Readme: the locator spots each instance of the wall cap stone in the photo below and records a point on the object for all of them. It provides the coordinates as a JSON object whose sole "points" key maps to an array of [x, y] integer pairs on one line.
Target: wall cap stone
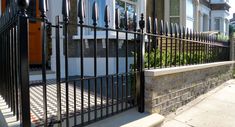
{"points": [[172, 70]]}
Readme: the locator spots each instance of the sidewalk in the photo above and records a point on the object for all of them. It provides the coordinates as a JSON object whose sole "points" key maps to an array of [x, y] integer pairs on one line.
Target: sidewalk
{"points": [[214, 109]]}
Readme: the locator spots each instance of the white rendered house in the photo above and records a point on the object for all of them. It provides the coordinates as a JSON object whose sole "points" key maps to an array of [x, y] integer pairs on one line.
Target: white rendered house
{"points": [[199, 15], [132, 6]]}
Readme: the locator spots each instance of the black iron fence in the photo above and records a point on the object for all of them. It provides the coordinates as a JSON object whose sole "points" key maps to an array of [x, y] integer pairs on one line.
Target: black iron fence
{"points": [[77, 100]]}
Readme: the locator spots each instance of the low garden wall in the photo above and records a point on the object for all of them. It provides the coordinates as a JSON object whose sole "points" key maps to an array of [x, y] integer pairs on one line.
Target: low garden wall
{"points": [[170, 88]]}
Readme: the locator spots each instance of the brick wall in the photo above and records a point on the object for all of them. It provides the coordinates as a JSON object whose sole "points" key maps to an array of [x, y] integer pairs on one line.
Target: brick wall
{"points": [[166, 93]]}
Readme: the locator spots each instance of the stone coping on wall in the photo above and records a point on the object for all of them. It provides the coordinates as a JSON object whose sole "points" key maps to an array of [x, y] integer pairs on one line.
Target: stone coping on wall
{"points": [[172, 70]]}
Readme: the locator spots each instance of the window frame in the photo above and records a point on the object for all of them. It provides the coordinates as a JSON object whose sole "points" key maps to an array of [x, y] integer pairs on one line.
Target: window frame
{"points": [[131, 3], [174, 16], [219, 19]]}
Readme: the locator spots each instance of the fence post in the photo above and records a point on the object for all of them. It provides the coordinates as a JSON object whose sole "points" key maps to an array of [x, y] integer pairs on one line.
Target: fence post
{"points": [[142, 78], [24, 71]]}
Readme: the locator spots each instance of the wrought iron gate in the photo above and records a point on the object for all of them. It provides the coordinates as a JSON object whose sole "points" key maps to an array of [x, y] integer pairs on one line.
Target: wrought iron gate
{"points": [[77, 100]]}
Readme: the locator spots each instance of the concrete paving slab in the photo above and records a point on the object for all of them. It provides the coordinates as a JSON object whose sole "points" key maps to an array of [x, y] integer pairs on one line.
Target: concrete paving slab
{"points": [[120, 119], [215, 110], [175, 123]]}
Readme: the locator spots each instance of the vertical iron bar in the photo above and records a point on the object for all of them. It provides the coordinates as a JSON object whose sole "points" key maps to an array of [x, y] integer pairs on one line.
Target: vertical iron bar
{"points": [[183, 38], [81, 15], [166, 33], [107, 20], [142, 80], [65, 12], [155, 41], [101, 97], [44, 53], [24, 72], [180, 45], [171, 49], [176, 36], [112, 93], [161, 35], [117, 23], [58, 71], [127, 47], [190, 47], [148, 31], [89, 100]]}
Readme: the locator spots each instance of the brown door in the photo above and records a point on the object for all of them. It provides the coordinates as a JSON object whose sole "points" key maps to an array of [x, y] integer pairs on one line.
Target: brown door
{"points": [[35, 44], [35, 41], [3, 7]]}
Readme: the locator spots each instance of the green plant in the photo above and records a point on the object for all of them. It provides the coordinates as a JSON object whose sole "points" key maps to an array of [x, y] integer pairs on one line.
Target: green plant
{"points": [[222, 37], [156, 58], [176, 58]]}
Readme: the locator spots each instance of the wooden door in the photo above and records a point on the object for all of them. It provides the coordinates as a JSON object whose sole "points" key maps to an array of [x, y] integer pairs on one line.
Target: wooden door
{"points": [[35, 40], [3, 6]]}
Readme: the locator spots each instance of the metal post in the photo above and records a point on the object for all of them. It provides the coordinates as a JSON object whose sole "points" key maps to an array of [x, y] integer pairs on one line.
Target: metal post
{"points": [[142, 81], [24, 72]]}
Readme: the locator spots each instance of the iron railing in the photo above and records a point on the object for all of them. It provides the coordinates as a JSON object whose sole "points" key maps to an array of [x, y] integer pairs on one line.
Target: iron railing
{"points": [[82, 99], [14, 78]]}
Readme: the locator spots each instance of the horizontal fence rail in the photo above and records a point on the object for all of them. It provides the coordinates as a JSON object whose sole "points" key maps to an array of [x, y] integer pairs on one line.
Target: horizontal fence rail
{"points": [[81, 99], [179, 46]]}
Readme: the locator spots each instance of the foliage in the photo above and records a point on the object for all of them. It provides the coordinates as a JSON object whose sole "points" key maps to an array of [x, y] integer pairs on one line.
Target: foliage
{"points": [[222, 37], [176, 58]]}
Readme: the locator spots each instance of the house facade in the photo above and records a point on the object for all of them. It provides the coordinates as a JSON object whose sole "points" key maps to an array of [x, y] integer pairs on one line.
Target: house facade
{"points": [[55, 9], [132, 6], [199, 15]]}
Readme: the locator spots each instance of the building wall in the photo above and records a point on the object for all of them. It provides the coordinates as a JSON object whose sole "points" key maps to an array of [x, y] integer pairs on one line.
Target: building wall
{"points": [[223, 16]]}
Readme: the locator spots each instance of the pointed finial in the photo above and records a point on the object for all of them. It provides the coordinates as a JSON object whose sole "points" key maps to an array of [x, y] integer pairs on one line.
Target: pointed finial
{"points": [[66, 9], [149, 25], [106, 16], [117, 18], [155, 26], [81, 10], [95, 13]]}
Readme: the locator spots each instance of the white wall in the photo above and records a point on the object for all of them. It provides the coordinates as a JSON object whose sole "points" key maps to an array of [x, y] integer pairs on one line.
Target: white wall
{"points": [[75, 68], [55, 7]]}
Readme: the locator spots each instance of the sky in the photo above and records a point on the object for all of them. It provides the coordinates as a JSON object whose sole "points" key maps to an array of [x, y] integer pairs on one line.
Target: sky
{"points": [[232, 9]]}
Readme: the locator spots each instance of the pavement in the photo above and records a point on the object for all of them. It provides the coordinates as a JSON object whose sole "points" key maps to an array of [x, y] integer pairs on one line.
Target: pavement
{"points": [[214, 109]]}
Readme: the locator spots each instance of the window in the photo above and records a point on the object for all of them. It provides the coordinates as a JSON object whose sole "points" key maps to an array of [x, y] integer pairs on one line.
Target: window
{"points": [[126, 5], [175, 11], [217, 24]]}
